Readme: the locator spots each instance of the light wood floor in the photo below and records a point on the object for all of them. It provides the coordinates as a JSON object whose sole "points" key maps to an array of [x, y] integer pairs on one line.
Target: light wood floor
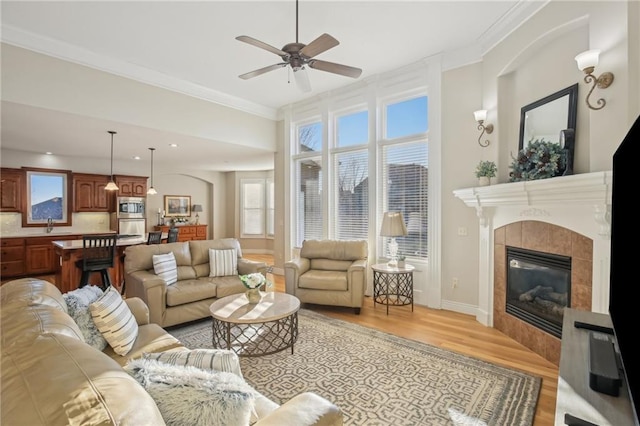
{"points": [[453, 331], [448, 330]]}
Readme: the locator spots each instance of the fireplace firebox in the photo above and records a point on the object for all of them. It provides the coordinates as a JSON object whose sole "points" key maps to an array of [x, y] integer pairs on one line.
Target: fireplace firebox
{"points": [[538, 288]]}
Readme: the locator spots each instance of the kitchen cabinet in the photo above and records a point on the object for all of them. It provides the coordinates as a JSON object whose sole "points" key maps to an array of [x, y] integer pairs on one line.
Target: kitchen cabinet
{"points": [[29, 256], [39, 255], [187, 232], [11, 189], [131, 186], [89, 193], [12, 257]]}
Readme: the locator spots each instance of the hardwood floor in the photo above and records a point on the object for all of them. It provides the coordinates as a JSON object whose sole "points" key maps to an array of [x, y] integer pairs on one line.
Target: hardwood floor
{"points": [[453, 331], [449, 330]]}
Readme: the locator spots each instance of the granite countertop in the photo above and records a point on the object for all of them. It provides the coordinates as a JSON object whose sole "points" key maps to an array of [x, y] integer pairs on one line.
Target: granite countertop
{"points": [[53, 234], [120, 242]]}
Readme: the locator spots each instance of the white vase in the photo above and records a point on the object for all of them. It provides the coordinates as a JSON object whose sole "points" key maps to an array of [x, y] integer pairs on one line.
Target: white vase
{"points": [[484, 181]]}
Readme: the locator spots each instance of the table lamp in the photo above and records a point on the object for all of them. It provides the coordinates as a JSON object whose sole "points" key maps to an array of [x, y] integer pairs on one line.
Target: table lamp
{"points": [[393, 226], [197, 208]]}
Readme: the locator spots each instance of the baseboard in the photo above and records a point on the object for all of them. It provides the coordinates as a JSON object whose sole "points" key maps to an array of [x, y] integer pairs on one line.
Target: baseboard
{"points": [[462, 308]]}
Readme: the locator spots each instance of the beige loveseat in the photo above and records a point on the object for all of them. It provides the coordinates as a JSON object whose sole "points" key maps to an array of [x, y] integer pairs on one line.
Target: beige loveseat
{"points": [[50, 376], [190, 298], [329, 272]]}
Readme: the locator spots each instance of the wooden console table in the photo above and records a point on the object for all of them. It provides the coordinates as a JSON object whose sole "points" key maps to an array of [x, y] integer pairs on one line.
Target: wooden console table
{"points": [[187, 232], [574, 396]]}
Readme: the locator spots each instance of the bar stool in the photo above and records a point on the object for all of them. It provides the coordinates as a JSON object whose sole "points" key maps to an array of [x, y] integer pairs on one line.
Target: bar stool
{"points": [[98, 253], [154, 237], [172, 236]]}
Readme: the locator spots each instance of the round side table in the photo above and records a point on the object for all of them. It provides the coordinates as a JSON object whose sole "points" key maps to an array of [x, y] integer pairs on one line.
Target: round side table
{"points": [[392, 285]]}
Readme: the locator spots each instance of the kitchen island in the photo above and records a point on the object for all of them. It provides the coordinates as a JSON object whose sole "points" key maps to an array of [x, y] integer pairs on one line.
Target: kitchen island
{"points": [[69, 252]]}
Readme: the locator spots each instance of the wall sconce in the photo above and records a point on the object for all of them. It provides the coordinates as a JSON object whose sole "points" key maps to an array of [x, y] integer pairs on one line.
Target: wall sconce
{"points": [[481, 116], [587, 62]]}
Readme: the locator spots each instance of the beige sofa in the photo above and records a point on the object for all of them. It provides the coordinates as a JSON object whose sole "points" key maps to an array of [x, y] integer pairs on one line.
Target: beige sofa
{"points": [[50, 376], [189, 299], [329, 272]]}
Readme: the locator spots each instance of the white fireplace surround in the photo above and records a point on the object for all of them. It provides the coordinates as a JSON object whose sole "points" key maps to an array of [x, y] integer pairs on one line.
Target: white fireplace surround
{"points": [[579, 202]]}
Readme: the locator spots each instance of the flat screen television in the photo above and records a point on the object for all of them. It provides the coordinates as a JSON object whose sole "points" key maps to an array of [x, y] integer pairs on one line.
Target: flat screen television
{"points": [[625, 273]]}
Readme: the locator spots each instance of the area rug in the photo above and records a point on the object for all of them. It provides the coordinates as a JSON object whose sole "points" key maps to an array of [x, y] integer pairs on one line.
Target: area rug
{"points": [[380, 379]]}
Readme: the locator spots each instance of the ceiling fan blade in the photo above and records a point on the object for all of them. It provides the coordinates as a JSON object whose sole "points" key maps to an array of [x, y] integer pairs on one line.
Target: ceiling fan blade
{"points": [[335, 68], [319, 45], [252, 41], [302, 80], [262, 71]]}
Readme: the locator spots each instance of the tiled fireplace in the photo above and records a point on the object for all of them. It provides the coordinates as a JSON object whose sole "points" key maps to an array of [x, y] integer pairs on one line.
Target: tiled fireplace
{"points": [[566, 216]]}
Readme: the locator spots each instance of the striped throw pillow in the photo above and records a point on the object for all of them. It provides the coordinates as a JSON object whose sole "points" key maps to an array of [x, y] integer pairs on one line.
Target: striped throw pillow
{"points": [[115, 321], [210, 359], [223, 262], [164, 265]]}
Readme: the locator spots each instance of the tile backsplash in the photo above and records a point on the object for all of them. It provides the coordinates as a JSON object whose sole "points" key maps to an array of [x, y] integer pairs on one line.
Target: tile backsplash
{"points": [[11, 225]]}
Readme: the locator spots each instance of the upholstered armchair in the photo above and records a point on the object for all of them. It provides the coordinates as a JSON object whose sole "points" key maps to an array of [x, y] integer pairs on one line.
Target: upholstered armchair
{"points": [[329, 272]]}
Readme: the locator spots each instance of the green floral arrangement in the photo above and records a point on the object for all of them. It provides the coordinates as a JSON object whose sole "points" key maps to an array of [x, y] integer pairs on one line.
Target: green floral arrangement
{"points": [[538, 160], [486, 168]]}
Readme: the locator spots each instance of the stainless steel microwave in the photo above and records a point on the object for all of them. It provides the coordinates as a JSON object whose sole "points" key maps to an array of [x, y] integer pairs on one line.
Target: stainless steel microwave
{"points": [[130, 208]]}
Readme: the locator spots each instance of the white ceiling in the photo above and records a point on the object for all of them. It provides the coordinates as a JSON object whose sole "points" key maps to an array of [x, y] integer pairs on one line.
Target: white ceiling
{"points": [[191, 46]]}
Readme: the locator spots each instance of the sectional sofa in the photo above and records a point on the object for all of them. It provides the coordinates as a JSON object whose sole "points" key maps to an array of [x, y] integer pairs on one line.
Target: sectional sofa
{"points": [[51, 376]]}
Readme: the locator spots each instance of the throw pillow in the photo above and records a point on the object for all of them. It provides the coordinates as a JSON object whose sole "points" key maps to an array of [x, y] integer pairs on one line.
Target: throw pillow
{"points": [[115, 321], [78, 302], [187, 395], [208, 359], [164, 265], [223, 262]]}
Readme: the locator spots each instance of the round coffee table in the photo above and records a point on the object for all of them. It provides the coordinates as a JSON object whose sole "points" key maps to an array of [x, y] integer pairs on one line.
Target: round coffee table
{"points": [[262, 328]]}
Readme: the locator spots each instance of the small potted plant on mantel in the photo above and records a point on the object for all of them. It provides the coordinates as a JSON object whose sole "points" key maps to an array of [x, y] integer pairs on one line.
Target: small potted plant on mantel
{"points": [[485, 171]]}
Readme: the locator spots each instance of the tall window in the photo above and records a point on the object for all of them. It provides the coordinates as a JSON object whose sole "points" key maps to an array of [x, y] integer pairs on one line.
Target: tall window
{"points": [[400, 177], [404, 164], [257, 201], [308, 182], [350, 187], [309, 200]]}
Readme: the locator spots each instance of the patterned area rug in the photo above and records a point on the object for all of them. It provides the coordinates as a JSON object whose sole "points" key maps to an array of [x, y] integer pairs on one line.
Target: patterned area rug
{"points": [[380, 379]]}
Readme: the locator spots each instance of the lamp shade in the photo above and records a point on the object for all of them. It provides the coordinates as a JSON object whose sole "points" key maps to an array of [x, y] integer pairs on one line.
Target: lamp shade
{"points": [[480, 115], [196, 208], [588, 59], [393, 225]]}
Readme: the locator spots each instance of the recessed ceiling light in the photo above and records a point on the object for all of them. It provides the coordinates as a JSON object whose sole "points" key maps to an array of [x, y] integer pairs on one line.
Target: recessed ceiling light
{"points": [[136, 157], [173, 145], [49, 153]]}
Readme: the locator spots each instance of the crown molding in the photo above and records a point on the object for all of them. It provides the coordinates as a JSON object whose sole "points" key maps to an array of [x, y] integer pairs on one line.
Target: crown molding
{"points": [[67, 52]]}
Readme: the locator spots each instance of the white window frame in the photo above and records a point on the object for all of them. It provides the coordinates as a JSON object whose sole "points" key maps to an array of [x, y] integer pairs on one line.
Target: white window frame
{"points": [[267, 208]]}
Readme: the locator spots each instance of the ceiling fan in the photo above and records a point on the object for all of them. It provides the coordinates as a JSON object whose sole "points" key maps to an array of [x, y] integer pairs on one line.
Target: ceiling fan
{"points": [[298, 56]]}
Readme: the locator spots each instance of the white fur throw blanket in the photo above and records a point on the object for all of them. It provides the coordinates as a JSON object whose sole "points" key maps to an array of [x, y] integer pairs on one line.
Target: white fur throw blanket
{"points": [[187, 395]]}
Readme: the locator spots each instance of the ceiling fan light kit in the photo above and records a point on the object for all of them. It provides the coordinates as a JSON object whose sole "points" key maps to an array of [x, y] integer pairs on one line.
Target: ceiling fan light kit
{"points": [[299, 56]]}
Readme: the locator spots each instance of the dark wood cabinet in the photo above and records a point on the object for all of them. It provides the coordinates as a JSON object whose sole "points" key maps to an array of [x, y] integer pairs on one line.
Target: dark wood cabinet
{"points": [[11, 190], [12, 257], [131, 186], [187, 232], [39, 255], [89, 194]]}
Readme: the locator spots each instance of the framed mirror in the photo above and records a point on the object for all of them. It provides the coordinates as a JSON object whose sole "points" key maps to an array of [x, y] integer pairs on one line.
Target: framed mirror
{"points": [[545, 118], [47, 197]]}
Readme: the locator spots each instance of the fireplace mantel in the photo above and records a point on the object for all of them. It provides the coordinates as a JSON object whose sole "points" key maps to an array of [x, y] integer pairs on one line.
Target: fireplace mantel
{"points": [[579, 202], [586, 189]]}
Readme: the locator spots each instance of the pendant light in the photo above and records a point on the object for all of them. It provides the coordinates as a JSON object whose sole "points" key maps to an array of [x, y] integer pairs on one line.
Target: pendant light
{"points": [[152, 190], [111, 186]]}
